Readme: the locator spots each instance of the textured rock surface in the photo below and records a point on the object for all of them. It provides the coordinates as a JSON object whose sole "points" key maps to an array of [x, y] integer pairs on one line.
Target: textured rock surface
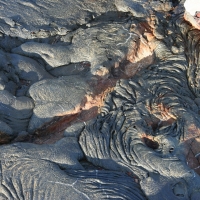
{"points": [[46, 18], [6, 133], [42, 174], [104, 45], [15, 111], [122, 76], [56, 97]]}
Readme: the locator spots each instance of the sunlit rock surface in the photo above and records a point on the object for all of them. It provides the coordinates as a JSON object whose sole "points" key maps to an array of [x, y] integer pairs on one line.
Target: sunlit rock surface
{"points": [[192, 8], [100, 99]]}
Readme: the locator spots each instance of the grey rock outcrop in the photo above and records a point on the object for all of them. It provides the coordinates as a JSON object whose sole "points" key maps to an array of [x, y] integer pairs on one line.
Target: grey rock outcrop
{"points": [[145, 124], [56, 97], [103, 45], [27, 68], [15, 111], [124, 74], [42, 175], [95, 51], [43, 19]]}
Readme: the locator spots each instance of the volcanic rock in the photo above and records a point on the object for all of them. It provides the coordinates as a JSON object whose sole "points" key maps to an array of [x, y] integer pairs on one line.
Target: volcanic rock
{"points": [[6, 133], [56, 97], [15, 111], [105, 97]]}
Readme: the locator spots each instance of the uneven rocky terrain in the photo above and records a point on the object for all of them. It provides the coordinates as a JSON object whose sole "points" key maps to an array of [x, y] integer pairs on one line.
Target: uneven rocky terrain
{"points": [[99, 99]]}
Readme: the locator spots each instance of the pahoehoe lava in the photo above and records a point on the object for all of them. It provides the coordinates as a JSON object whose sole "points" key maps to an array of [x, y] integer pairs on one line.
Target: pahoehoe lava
{"points": [[99, 100]]}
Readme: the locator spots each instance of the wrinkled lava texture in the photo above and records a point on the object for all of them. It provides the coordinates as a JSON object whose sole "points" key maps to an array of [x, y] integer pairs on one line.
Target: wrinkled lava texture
{"points": [[99, 100]]}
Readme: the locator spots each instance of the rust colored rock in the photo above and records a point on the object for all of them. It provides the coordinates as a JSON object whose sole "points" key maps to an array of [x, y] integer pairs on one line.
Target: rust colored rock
{"points": [[139, 57], [197, 14], [194, 22]]}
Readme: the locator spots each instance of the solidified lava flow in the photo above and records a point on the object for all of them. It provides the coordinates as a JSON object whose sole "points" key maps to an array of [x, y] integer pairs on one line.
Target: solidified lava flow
{"points": [[100, 99]]}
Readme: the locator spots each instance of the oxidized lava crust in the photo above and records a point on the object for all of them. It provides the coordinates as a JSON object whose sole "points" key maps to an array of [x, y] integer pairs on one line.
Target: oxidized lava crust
{"points": [[99, 100]]}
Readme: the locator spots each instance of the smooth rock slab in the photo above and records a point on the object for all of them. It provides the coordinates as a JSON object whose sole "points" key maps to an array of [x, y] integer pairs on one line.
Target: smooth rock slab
{"points": [[56, 97], [15, 111], [71, 69], [28, 69], [22, 71]]}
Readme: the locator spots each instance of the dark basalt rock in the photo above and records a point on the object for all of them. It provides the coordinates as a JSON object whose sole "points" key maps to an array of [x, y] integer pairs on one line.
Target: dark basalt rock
{"points": [[56, 97], [124, 74], [40, 176], [41, 19], [94, 52], [157, 95], [6, 133], [157, 187], [15, 111], [103, 45]]}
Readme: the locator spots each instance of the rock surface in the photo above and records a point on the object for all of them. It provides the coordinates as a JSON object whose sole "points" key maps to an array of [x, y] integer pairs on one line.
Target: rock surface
{"points": [[109, 91], [56, 97]]}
